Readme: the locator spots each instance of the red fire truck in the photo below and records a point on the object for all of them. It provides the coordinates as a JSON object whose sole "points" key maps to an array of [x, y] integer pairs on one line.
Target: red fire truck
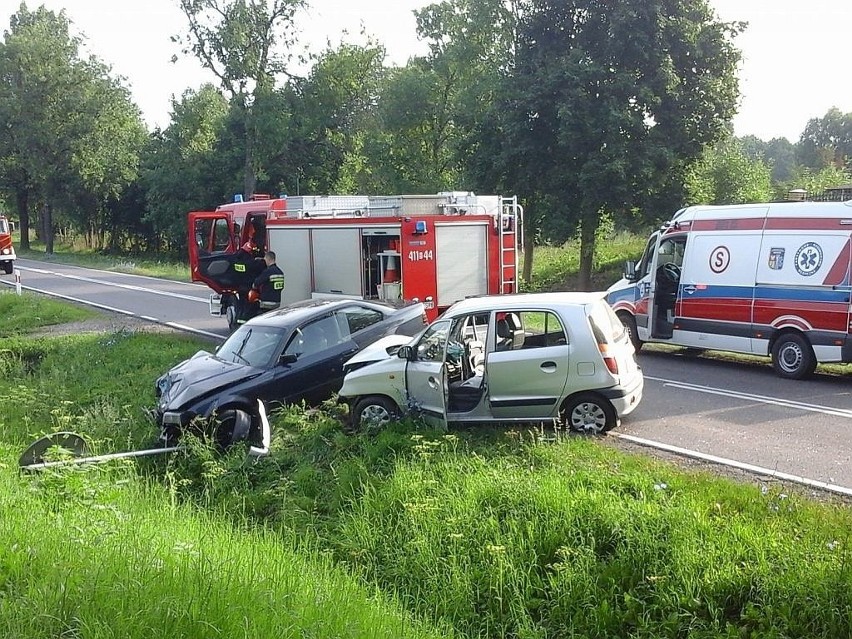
{"points": [[437, 249], [7, 250]]}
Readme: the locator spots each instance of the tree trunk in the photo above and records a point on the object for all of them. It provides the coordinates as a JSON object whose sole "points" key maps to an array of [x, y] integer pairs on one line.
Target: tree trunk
{"points": [[588, 229], [529, 247], [249, 175], [22, 203], [47, 228]]}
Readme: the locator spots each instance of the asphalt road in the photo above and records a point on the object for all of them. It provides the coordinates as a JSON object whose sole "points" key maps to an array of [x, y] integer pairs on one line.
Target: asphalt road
{"points": [[734, 413], [182, 305]]}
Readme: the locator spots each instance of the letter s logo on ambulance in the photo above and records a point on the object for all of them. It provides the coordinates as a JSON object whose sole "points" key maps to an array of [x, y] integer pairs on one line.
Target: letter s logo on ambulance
{"points": [[720, 257], [808, 259]]}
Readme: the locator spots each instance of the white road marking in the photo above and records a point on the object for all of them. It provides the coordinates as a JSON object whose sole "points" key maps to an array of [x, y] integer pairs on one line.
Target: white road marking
{"points": [[129, 287], [758, 470], [122, 311], [763, 399]]}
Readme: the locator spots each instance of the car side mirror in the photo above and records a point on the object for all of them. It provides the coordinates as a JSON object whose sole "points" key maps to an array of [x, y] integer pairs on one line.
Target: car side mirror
{"points": [[630, 271], [288, 358], [404, 352]]}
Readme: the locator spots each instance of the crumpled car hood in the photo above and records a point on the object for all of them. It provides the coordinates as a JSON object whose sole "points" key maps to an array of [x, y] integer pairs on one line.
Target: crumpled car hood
{"points": [[198, 376]]}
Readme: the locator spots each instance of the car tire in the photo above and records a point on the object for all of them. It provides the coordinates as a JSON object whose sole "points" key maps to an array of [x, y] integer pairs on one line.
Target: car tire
{"points": [[8, 267], [589, 413], [374, 412], [231, 426], [630, 324], [792, 356]]}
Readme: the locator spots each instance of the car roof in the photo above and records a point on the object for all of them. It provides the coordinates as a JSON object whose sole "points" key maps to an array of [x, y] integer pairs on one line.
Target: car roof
{"points": [[297, 312], [523, 301]]}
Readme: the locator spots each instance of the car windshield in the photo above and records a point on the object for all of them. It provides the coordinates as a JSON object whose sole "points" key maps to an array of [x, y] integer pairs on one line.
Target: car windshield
{"points": [[252, 345], [3, 228]]}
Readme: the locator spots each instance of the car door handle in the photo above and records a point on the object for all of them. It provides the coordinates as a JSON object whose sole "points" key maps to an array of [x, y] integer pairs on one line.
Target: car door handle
{"points": [[548, 367], [689, 288], [433, 383]]}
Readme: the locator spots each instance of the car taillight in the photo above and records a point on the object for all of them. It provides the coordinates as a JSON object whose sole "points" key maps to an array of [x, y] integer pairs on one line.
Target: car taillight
{"points": [[609, 360]]}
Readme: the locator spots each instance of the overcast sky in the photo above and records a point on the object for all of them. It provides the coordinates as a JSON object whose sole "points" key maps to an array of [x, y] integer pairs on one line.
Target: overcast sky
{"points": [[795, 52]]}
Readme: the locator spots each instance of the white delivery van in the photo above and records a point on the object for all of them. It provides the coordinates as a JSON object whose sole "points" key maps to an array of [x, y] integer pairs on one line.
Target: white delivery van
{"points": [[766, 279]]}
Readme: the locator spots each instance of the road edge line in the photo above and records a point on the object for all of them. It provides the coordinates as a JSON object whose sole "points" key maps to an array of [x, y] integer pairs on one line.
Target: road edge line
{"points": [[731, 463]]}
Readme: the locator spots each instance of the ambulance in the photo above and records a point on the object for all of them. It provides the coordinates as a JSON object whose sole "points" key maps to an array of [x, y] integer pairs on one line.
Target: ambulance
{"points": [[764, 279]]}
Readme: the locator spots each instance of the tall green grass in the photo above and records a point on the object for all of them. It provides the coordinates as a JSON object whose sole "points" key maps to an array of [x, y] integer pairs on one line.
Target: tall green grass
{"points": [[555, 268], [480, 532], [27, 312], [96, 384], [118, 560]]}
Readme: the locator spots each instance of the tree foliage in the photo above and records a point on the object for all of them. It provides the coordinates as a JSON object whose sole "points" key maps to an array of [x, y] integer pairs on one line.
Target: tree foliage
{"points": [[180, 171], [725, 174], [608, 103], [72, 136], [246, 44], [827, 141]]}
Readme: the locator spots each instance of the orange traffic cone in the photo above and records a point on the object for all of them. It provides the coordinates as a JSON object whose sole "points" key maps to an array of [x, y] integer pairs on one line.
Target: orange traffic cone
{"points": [[391, 274]]}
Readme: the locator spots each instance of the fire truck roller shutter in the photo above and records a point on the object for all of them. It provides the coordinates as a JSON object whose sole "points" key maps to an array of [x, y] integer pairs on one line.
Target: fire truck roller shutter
{"points": [[293, 255], [461, 251], [337, 261]]}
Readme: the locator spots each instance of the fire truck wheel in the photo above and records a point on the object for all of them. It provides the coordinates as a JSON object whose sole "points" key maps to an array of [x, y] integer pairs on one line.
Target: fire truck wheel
{"points": [[792, 356], [630, 324], [589, 413], [374, 412], [231, 315], [7, 266]]}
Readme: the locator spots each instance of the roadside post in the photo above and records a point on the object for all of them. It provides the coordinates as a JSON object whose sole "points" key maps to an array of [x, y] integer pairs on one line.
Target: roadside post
{"points": [[18, 281]]}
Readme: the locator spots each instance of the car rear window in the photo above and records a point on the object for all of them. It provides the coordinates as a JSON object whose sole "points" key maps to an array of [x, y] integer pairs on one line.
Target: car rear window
{"points": [[605, 324]]}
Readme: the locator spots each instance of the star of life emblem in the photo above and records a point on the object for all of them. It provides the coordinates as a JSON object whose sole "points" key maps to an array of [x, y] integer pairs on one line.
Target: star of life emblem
{"points": [[808, 258]]}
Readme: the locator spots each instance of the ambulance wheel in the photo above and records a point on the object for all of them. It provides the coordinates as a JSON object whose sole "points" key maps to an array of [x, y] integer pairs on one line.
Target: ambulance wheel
{"points": [[374, 412], [589, 413], [630, 324], [792, 356]]}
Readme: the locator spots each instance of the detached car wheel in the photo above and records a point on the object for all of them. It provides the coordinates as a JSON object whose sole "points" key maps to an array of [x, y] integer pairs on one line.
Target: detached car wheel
{"points": [[589, 413], [793, 357], [374, 412]]}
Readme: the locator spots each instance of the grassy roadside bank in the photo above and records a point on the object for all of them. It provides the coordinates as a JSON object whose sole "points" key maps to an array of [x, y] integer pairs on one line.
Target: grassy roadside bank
{"points": [[479, 532]]}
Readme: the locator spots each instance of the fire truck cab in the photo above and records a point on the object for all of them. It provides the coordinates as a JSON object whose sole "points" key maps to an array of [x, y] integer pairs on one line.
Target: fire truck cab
{"points": [[7, 249], [765, 279], [437, 249]]}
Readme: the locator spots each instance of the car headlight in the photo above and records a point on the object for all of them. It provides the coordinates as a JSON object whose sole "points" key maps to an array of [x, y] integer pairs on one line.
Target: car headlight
{"points": [[6, 251]]}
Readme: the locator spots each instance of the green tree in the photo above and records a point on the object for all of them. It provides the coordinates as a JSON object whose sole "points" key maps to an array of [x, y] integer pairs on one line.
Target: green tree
{"points": [[181, 169], [608, 103], [246, 44], [826, 141], [332, 115], [71, 134], [726, 175], [813, 182]]}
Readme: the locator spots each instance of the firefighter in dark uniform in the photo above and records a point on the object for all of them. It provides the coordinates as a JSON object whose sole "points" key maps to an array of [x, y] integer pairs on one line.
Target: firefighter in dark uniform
{"points": [[265, 293]]}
